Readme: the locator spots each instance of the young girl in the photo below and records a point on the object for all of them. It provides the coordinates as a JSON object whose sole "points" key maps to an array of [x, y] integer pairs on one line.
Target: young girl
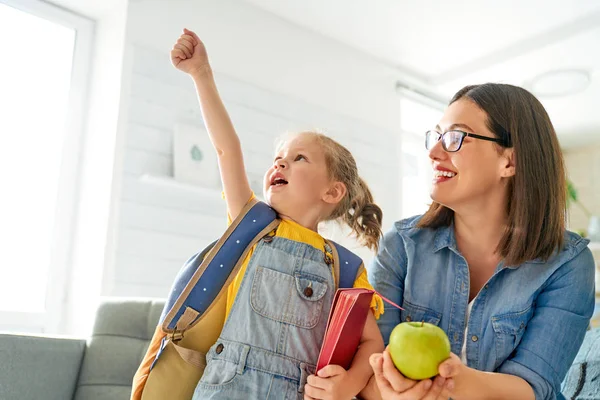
{"points": [[277, 306]]}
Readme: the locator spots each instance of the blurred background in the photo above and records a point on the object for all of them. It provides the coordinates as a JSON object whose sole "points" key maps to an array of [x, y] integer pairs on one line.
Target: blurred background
{"points": [[109, 183]]}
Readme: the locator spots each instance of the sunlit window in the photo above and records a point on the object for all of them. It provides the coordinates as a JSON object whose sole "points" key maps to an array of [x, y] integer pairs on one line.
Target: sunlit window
{"points": [[35, 75], [415, 119]]}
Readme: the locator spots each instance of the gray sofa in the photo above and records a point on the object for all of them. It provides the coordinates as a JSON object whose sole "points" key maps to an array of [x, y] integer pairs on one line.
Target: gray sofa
{"points": [[102, 368], [583, 379]]}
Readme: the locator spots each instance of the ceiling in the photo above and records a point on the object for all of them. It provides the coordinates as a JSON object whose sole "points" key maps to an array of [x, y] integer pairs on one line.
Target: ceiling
{"points": [[446, 45], [94, 9]]}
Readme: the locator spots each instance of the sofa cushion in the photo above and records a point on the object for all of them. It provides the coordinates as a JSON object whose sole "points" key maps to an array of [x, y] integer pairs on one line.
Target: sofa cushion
{"points": [[121, 335], [39, 367], [583, 379]]}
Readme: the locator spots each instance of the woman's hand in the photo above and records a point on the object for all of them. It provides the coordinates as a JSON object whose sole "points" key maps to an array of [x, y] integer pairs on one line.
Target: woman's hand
{"points": [[189, 54], [394, 386], [451, 368]]}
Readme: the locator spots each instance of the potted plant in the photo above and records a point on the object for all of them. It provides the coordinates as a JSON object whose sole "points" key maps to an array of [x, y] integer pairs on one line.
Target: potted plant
{"points": [[594, 225]]}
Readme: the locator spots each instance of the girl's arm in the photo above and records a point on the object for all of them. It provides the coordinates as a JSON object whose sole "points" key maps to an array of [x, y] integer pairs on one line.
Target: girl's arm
{"points": [[189, 55], [360, 371], [334, 382]]}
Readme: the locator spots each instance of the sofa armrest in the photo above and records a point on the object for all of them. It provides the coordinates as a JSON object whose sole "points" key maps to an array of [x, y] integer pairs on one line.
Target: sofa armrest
{"points": [[39, 367], [582, 380]]}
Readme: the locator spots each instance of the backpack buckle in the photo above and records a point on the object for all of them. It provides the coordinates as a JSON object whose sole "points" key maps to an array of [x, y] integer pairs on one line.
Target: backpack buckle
{"points": [[328, 254], [176, 336]]}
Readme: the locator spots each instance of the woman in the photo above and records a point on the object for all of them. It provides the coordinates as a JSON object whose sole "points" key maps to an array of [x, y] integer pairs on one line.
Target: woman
{"points": [[490, 262]]}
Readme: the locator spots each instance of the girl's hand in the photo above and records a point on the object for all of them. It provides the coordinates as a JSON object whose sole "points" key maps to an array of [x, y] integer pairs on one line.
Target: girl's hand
{"points": [[189, 54], [330, 384], [394, 386]]}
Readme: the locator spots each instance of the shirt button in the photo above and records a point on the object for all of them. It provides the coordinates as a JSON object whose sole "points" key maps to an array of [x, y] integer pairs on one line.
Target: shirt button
{"points": [[308, 292], [486, 286], [408, 318], [474, 338], [219, 348]]}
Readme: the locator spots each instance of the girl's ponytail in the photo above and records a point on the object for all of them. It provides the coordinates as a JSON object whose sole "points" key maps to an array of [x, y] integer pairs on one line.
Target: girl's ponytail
{"points": [[357, 208], [364, 217]]}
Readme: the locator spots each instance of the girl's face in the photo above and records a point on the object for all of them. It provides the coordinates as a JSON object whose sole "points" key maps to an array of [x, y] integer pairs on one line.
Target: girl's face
{"points": [[476, 175], [298, 181]]}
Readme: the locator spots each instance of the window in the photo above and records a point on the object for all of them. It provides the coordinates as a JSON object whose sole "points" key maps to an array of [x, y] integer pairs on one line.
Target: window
{"points": [[42, 76], [416, 118]]}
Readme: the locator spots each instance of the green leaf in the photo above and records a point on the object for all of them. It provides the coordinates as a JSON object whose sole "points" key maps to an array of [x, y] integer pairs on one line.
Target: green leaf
{"points": [[571, 191]]}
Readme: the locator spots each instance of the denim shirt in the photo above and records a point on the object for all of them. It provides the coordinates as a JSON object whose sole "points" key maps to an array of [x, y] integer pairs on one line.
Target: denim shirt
{"points": [[527, 321]]}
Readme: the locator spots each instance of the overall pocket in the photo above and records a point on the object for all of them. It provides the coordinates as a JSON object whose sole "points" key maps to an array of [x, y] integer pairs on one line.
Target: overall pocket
{"points": [[293, 299], [508, 331], [219, 372]]}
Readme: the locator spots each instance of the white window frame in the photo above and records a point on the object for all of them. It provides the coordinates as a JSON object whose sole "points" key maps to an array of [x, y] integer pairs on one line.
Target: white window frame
{"points": [[67, 202], [413, 143]]}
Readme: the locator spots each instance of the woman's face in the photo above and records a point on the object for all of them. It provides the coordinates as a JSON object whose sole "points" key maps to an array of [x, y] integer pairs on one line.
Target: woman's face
{"points": [[476, 175]]}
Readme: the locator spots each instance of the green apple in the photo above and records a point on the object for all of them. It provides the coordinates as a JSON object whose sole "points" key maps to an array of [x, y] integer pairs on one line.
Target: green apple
{"points": [[418, 348]]}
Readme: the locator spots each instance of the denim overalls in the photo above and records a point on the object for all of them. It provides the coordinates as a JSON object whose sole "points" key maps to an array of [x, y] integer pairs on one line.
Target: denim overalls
{"points": [[271, 340]]}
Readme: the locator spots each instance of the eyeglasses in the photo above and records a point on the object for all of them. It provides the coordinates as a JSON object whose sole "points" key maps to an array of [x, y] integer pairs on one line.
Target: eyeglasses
{"points": [[453, 140]]}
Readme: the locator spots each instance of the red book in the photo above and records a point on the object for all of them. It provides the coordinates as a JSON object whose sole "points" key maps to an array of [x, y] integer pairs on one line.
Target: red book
{"points": [[346, 321]]}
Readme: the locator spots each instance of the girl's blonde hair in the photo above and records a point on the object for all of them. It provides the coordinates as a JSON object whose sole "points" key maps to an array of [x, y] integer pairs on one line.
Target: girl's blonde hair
{"points": [[357, 208]]}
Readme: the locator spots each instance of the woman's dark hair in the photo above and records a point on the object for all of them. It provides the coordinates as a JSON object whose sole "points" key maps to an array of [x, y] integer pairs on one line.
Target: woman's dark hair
{"points": [[536, 203]]}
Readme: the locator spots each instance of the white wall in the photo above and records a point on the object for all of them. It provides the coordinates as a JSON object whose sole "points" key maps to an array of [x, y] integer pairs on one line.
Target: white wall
{"points": [[274, 77], [583, 168], [103, 137]]}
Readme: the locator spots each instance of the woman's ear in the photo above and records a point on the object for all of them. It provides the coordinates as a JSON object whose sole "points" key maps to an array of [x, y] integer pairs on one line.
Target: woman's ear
{"points": [[508, 163], [335, 194]]}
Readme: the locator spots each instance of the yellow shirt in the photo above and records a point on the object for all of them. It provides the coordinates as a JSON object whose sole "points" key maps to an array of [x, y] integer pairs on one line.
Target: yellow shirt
{"points": [[291, 230]]}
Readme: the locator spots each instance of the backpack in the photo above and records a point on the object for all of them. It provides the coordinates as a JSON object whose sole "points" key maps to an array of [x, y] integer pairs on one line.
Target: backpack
{"points": [[194, 313]]}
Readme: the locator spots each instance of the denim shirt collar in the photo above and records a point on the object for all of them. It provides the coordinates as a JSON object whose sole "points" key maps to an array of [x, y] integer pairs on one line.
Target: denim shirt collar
{"points": [[445, 238]]}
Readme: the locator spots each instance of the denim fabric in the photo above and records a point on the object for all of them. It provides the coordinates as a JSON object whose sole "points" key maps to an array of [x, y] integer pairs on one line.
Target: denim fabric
{"points": [[527, 321], [271, 340]]}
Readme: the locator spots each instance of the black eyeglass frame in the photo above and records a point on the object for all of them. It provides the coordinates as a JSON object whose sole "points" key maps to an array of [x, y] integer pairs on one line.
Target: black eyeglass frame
{"points": [[463, 134]]}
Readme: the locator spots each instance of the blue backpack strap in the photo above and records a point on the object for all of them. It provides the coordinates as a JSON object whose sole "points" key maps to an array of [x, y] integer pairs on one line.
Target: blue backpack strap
{"points": [[183, 276], [349, 265], [202, 279]]}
